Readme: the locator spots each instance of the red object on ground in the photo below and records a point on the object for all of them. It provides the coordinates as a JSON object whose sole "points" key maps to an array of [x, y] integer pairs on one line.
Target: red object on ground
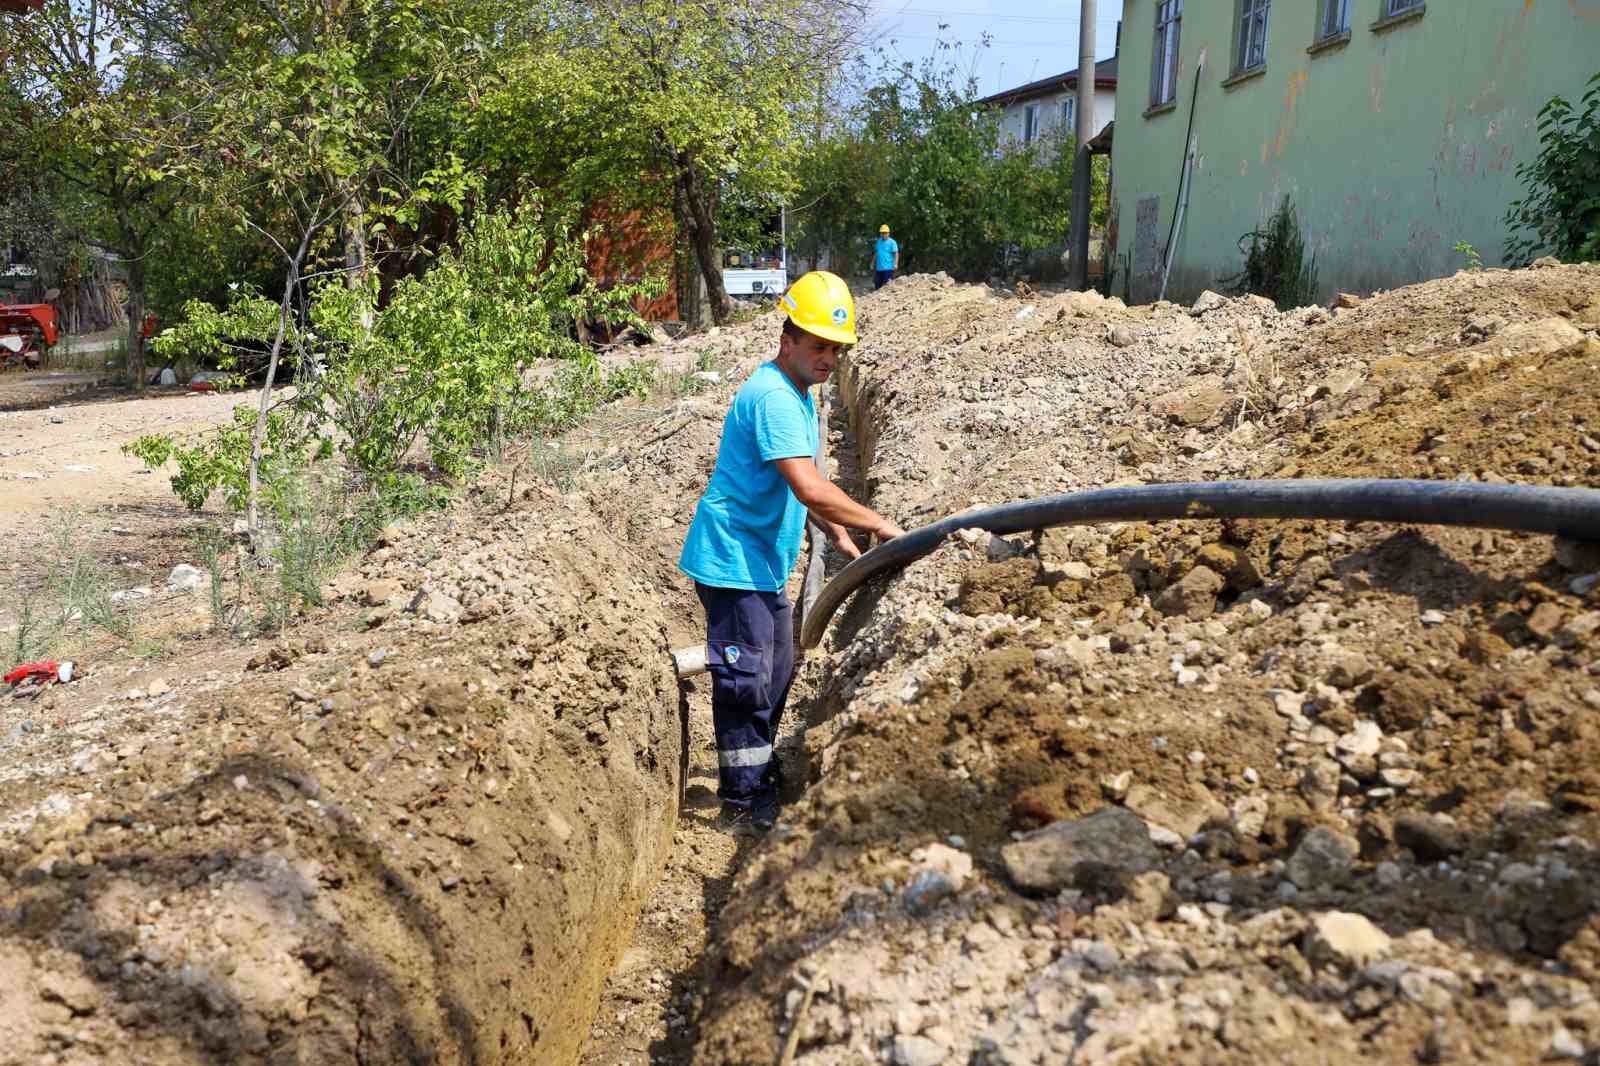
{"points": [[35, 324], [202, 386], [27, 670]]}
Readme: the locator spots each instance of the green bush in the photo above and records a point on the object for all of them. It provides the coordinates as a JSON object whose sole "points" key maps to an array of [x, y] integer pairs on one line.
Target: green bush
{"points": [[449, 362], [1275, 264], [1560, 215], [220, 459]]}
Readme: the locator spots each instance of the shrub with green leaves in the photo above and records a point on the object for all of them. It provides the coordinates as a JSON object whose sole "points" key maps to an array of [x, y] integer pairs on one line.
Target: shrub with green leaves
{"points": [[209, 333], [449, 362], [1560, 215], [1275, 265], [220, 459], [446, 361]]}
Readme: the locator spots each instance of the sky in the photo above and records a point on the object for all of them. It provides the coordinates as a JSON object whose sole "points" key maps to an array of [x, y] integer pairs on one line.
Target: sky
{"points": [[1032, 39]]}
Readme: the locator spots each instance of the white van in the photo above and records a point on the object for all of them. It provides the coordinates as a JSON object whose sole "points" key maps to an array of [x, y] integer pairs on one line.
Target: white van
{"points": [[760, 272]]}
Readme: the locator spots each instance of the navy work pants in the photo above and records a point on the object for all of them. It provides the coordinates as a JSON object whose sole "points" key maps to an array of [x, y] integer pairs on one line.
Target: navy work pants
{"points": [[750, 652], [880, 278]]}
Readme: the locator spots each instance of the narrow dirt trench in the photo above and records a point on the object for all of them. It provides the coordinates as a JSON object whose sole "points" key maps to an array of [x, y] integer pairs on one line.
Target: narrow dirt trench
{"points": [[1338, 777], [649, 1010]]}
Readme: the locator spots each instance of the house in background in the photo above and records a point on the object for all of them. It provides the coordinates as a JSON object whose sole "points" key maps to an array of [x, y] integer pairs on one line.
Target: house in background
{"points": [[626, 245], [1395, 125], [1046, 107]]}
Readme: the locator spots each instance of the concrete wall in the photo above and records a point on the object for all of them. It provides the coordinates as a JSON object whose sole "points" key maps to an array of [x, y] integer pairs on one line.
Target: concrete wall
{"points": [[1105, 106], [1394, 145]]}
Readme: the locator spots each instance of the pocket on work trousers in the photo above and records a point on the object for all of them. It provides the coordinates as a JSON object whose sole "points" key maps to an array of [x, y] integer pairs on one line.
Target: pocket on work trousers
{"points": [[741, 674]]}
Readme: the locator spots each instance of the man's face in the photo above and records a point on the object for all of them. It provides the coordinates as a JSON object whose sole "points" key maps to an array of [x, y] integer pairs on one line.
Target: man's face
{"points": [[807, 358]]}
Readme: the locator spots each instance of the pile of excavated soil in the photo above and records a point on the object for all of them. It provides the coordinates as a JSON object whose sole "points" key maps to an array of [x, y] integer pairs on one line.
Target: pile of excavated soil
{"points": [[419, 831], [1201, 791]]}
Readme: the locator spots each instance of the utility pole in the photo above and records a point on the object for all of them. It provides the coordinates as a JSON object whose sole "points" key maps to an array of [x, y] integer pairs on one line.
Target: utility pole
{"points": [[1084, 131]]}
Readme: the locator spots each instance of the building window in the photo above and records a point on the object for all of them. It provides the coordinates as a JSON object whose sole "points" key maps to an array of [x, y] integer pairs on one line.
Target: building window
{"points": [[1335, 19], [1069, 114], [1030, 123], [1392, 8], [1252, 51], [1164, 59]]}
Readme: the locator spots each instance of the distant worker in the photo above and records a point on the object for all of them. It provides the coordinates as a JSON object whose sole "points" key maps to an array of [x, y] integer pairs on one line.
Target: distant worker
{"points": [[745, 539], [885, 258]]}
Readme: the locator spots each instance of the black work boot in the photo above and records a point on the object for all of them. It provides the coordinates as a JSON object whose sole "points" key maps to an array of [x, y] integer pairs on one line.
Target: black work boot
{"points": [[764, 811]]}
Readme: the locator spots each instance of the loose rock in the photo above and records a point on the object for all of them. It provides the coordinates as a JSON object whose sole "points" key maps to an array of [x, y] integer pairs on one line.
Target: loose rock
{"points": [[1112, 841]]}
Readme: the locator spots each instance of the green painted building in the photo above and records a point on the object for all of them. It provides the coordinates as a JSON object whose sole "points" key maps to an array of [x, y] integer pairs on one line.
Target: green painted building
{"points": [[1395, 125]]}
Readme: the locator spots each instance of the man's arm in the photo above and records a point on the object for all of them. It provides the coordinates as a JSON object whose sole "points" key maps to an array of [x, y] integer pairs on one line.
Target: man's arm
{"points": [[897, 255], [828, 501], [837, 535]]}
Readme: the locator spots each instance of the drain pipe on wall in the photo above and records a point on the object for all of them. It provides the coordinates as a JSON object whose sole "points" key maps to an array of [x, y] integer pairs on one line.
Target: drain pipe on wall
{"points": [[1177, 220], [1185, 176]]}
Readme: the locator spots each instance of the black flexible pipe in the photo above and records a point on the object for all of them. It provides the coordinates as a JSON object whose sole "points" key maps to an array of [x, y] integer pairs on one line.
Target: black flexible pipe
{"points": [[1525, 508]]}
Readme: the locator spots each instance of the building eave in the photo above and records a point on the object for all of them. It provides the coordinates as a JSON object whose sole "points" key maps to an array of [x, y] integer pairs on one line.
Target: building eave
{"points": [[1054, 84]]}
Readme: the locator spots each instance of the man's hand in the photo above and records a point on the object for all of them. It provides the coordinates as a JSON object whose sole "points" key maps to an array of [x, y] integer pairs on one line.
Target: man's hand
{"points": [[888, 531], [840, 538]]}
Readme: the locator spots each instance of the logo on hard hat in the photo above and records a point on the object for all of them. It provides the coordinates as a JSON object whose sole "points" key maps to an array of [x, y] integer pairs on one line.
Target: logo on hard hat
{"points": [[731, 653], [840, 316], [790, 301]]}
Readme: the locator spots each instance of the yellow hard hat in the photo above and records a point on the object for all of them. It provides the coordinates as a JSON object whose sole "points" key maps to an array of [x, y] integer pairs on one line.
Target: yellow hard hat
{"points": [[883, 228], [820, 303]]}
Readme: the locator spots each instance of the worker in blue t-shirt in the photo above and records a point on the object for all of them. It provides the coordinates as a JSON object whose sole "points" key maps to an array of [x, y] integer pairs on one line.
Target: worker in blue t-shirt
{"points": [[746, 532], [885, 258]]}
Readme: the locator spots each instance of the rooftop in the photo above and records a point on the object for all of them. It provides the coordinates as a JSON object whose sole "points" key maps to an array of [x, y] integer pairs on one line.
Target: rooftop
{"points": [[1105, 77]]}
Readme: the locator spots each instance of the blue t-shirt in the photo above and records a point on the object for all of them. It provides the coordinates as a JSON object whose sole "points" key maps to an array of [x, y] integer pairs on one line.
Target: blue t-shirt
{"points": [[884, 254], [746, 531]]}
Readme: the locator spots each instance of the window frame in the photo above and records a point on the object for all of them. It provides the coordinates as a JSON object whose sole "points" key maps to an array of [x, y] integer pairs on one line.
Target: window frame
{"points": [[1164, 53], [1030, 123], [1251, 16], [1069, 114], [1327, 28], [1393, 9]]}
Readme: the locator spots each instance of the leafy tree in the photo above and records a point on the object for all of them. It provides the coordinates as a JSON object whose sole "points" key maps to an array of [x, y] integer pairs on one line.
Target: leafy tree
{"points": [[1560, 215], [101, 115], [302, 106], [655, 101], [919, 154]]}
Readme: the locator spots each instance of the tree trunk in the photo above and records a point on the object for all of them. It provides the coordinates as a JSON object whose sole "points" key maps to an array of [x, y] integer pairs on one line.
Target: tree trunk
{"points": [[694, 209], [356, 259], [355, 242], [135, 359], [258, 435]]}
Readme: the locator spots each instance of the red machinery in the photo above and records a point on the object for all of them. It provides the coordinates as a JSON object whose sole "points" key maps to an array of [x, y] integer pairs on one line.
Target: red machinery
{"points": [[27, 333]]}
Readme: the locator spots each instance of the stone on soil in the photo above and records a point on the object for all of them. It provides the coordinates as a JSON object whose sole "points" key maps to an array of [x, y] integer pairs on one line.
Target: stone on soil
{"points": [[918, 1051], [1194, 596], [1322, 859], [185, 578], [1112, 841], [1344, 939], [1429, 837]]}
